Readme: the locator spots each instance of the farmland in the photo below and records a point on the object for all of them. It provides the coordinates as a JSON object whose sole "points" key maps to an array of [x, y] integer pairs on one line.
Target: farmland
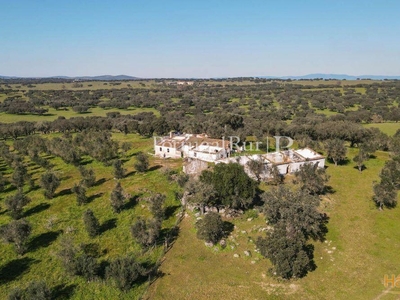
{"points": [[360, 247]]}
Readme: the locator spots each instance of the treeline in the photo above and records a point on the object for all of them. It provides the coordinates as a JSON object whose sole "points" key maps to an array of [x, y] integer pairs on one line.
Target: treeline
{"points": [[374, 102]]}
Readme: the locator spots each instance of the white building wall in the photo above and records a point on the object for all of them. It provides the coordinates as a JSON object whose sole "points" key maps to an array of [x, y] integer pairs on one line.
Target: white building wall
{"points": [[211, 157], [321, 162], [167, 152], [295, 166], [283, 168]]}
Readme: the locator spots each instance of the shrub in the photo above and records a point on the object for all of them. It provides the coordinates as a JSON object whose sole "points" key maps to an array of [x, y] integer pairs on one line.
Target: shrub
{"points": [[210, 228], [92, 225]]}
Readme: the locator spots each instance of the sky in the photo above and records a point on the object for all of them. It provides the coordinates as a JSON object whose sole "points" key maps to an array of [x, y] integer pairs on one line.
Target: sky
{"points": [[199, 39]]}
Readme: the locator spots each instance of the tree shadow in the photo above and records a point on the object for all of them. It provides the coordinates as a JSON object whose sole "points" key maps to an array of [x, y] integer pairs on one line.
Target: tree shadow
{"points": [[10, 188], [36, 209], [168, 236], [131, 202], [124, 159], [63, 291], [228, 228], [150, 274], [102, 269], [85, 162], [100, 182], [34, 188], [170, 211], [309, 249], [343, 162], [93, 197], [64, 192], [130, 173], [15, 268], [363, 167], [156, 167], [43, 240], [329, 190], [108, 225]]}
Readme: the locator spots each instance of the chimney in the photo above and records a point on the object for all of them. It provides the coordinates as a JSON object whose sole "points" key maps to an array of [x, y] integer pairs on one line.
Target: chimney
{"points": [[171, 134]]}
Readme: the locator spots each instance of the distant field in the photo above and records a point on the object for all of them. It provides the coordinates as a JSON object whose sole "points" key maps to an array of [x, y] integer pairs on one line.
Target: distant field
{"points": [[335, 82], [87, 85], [388, 128], [362, 246], [54, 114]]}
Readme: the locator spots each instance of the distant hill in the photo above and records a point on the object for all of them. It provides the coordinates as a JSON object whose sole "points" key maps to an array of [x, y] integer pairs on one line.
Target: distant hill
{"points": [[332, 76], [308, 76], [101, 77]]}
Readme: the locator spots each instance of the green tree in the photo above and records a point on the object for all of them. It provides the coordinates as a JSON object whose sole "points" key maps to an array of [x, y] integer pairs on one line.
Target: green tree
{"points": [[210, 228], [17, 233], [234, 188], [49, 182], [2, 182], [92, 225], [38, 290], [295, 218], [117, 198], [87, 267], [312, 178], [142, 162], [297, 209], [20, 175], [78, 261], [119, 171], [16, 294], [276, 177], [290, 255], [146, 232], [15, 204], [256, 167], [361, 158], [124, 272], [156, 202], [200, 194], [336, 150], [385, 194], [88, 177], [80, 192], [67, 255], [126, 146]]}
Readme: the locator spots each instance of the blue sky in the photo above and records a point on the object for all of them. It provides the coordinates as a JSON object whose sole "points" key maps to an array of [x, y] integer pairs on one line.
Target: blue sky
{"points": [[157, 38]]}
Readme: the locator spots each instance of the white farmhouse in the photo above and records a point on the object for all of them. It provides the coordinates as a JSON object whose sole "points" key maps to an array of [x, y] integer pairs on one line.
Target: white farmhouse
{"points": [[201, 148], [197, 146]]}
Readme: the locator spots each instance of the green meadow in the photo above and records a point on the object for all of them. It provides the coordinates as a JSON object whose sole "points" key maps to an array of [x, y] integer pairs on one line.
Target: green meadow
{"points": [[61, 216], [362, 245], [53, 114]]}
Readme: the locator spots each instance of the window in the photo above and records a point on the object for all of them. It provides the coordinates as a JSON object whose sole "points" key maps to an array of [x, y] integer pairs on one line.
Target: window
{"points": [[195, 154], [168, 150], [160, 149]]}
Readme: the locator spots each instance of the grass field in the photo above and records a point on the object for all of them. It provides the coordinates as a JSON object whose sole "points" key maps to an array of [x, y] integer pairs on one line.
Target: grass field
{"points": [[54, 114], [388, 128], [50, 217], [362, 245], [87, 85]]}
